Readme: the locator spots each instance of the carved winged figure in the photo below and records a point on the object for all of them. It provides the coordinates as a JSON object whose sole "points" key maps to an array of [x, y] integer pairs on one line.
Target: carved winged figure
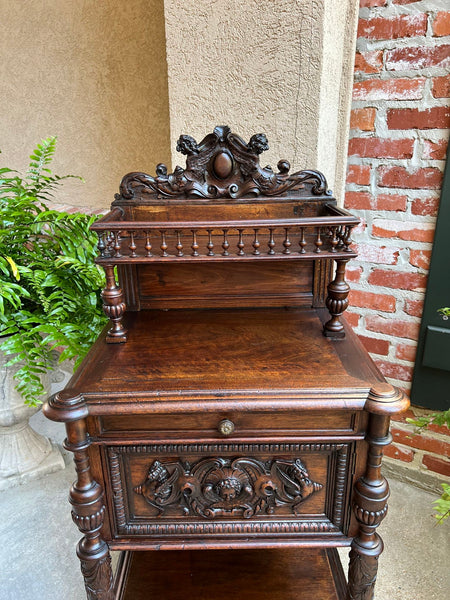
{"points": [[296, 483], [159, 487], [245, 176]]}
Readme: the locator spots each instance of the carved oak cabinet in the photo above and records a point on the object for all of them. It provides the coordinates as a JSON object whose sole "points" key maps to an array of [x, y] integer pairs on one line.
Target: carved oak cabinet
{"points": [[227, 417]]}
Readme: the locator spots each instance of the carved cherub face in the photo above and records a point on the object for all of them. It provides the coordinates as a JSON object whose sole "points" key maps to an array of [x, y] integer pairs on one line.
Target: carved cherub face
{"points": [[228, 488], [258, 143], [187, 145]]}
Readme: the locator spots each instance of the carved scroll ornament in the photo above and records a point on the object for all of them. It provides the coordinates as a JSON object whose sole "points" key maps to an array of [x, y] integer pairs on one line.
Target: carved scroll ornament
{"points": [[215, 487], [222, 165]]}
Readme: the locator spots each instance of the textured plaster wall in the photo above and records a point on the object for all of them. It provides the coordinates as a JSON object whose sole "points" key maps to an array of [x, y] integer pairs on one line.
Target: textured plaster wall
{"points": [[339, 31], [92, 73], [282, 68]]}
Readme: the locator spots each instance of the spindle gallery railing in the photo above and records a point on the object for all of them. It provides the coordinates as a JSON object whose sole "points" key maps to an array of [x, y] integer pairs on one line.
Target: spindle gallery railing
{"points": [[327, 236], [143, 242]]}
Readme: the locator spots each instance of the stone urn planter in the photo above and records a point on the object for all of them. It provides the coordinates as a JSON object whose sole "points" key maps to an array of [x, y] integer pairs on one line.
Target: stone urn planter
{"points": [[24, 453]]}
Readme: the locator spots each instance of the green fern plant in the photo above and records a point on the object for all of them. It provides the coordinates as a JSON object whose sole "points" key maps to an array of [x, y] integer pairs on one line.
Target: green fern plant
{"points": [[49, 283]]}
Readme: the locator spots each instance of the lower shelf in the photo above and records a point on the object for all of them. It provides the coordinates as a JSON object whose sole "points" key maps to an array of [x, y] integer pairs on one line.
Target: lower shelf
{"points": [[271, 574]]}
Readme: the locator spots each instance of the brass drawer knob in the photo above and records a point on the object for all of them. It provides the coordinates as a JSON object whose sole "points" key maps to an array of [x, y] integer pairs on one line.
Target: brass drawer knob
{"points": [[226, 427]]}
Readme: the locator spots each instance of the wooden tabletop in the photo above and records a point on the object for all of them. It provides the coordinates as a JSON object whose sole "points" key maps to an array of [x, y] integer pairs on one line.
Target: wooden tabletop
{"points": [[224, 352]]}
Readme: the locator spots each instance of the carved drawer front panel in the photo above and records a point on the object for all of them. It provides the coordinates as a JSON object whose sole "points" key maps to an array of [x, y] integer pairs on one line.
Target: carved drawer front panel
{"points": [[236, 489]]}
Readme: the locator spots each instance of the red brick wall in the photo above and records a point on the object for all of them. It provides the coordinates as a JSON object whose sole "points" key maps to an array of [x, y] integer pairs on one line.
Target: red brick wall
{"points": [[400, 125]]}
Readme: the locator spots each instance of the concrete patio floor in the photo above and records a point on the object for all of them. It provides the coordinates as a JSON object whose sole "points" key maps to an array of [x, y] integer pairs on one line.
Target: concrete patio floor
{"points": [[38, 538]]}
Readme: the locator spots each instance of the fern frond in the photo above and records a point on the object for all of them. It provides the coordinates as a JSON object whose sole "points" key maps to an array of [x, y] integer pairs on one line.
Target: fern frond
{"points": [[42, 155], [50, 285]]}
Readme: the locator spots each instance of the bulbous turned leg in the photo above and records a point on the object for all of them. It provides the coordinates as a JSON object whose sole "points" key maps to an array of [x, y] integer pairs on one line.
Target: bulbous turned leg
{"points": [[337, 301], [88, 509], [114, 308], [370, 506]]}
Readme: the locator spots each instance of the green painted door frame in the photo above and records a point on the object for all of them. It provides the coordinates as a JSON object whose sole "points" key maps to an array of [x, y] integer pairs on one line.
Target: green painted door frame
{"points": [[431, 379]]}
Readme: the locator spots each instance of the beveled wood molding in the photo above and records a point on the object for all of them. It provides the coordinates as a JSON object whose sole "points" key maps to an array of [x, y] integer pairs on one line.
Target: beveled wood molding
{"points": [[231, 400]]}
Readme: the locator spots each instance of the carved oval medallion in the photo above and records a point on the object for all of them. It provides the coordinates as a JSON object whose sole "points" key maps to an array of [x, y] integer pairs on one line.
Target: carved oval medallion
{"points": [[222, 165]]}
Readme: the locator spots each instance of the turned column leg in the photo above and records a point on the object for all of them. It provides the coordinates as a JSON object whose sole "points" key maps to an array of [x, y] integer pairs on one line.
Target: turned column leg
{"points": [[337, 301], [86, 497], [114, 307], [370, 506]]}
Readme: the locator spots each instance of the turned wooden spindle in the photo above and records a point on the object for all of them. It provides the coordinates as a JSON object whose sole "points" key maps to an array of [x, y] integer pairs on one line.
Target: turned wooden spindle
{"points": [[88, 509], [210, 244], [148, 244], [302, 242], [117, 244], [337, 301], [113, 307], [164, 245], [334, 240], [132, 245], [179, 245], [101, 245], [225, 243], [256, 243], [340, 236], [240, 243], [271, 242], [110, 237], [194, 244], [318, 241], [286, 242], [347, 239]]}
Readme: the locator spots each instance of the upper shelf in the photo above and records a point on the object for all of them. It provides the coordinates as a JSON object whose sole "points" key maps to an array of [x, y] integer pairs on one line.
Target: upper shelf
{"points": [[223, 206]]}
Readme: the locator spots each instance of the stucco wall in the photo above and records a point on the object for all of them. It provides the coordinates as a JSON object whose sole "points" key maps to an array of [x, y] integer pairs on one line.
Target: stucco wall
{"points": [[280, 68], [92, 73]]}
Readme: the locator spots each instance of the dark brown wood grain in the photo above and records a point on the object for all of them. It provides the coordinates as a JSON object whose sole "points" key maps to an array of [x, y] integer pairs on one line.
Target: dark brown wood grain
{"points": [[219, 352], [224, 285], [227, 422], [247, 424]]}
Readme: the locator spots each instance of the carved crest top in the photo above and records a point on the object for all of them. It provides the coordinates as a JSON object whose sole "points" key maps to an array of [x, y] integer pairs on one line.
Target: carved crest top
{"points": [[222, 165]]}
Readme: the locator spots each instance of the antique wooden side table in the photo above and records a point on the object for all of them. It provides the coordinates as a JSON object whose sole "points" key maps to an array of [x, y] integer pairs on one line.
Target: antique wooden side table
{"points": [[227, 417]]}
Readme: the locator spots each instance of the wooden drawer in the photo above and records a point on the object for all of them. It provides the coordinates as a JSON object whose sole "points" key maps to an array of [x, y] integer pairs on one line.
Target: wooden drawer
{"points": [[229, 490], [248, 425]]}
